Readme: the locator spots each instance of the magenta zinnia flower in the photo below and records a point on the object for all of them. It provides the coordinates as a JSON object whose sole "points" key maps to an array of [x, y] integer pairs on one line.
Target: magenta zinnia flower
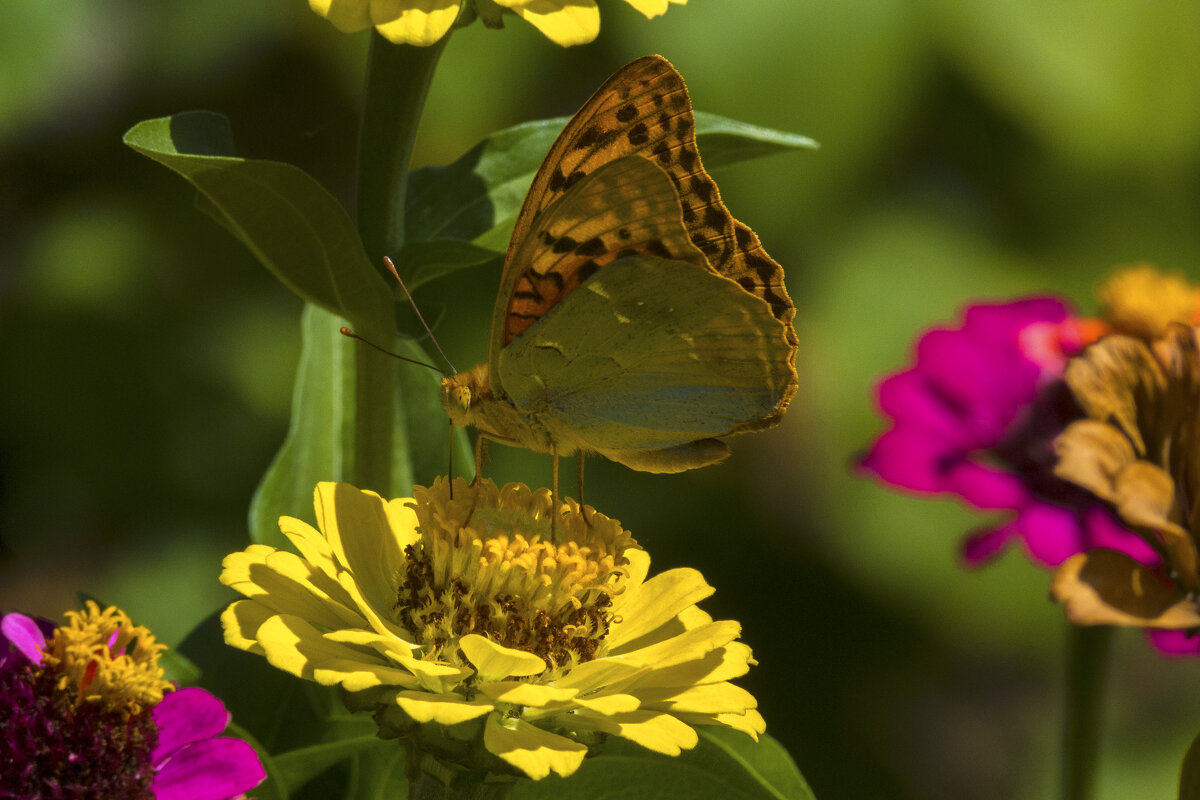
{"points": [[85, 713], [975, 416]]}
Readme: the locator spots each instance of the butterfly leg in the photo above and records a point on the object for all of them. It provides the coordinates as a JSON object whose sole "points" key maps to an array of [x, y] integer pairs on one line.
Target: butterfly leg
{"points": [[481, 450], [450, 460], [582, 507], [554, 492]]}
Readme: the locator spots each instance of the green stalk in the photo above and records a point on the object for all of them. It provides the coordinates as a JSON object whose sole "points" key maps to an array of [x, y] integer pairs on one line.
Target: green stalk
{"points": [[1087, 663], [398, 79], [429, 779]]}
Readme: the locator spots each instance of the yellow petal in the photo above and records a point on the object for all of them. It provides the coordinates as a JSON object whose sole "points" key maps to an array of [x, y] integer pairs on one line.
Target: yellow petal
{"points": [[662, 733], [495, 662], [643, 609], [601, 672], [638, 567], [442, 709], [347, 16], [374, 619], [723, 664], [312, 544], [687, 646], [650, 8], [712, 698], [356, 524], [564, 22], [294, 646], [751, 723], [283, 582], [530, 749], [433, 676], [1104, 587], [609, 704], [380, 642], [535, 695], [415, 22], [241, 621]]}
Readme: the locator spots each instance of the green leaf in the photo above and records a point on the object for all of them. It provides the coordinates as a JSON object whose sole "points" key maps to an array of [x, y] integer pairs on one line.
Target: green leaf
{"points": [[292, 225], [298, 767], [725, 764], [1189, 774], [476, 199], [323, 415], [422, 262]]}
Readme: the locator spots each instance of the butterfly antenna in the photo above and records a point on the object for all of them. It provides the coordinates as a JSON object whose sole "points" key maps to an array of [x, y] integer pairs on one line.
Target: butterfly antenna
{"points": [[349, 334], [395, 274]]}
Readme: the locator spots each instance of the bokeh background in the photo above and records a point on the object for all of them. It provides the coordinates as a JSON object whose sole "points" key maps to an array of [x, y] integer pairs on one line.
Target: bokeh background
{"points": [[968, 150]]}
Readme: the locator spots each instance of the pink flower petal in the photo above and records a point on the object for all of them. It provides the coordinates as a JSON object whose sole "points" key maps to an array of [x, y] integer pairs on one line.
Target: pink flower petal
{"points": [[981, 547], [1175, 643], [185, 716], [25, 635], [987, 487], [214, 769], [1052, 534], [908, 459]]}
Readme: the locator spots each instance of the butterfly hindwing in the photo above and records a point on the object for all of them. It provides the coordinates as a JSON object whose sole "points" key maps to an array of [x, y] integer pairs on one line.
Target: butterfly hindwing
{"points": [[647, 355]]}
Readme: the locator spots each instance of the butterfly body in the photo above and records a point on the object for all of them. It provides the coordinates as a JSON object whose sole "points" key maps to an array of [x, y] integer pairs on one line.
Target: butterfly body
{"points": [[636, 318]]}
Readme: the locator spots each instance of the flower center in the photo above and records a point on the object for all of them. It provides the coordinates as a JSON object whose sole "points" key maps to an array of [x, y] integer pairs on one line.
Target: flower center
{"points": [[484, 565], [101, 658]]}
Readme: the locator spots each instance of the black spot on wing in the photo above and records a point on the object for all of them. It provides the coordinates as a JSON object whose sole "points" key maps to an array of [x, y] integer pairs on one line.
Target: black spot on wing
{"points": [[639, 134], [565, 244], [592, 247], [663, 153], [586, 270], [627, 113]]}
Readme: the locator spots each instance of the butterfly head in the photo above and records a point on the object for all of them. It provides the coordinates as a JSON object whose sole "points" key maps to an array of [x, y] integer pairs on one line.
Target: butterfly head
{"points": [[463, 391]]}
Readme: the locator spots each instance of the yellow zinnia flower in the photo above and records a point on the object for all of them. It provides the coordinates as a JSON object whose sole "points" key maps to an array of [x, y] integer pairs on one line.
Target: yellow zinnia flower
{"points": [[484, 635], [423, 22]]}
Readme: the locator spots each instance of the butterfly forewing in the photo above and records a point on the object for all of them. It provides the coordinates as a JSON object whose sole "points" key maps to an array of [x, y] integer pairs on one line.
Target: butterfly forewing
{"points": [[641, 110], [625, 207]]}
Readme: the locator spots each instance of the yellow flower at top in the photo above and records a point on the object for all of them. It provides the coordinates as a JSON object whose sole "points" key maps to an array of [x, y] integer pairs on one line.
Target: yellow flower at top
{"points": [[423, 22], [485, 636]]}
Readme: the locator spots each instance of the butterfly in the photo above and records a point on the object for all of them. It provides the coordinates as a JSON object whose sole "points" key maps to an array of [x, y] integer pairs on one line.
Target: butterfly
{"points": [[636, 318]]}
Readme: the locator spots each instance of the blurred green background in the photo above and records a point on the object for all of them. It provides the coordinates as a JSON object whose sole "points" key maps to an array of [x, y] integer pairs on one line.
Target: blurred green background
{"points": [[969, 150]]}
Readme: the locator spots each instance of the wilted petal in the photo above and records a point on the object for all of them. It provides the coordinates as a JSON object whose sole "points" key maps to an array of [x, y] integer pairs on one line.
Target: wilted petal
{"points": [[1091, 454], [1104, 587]]}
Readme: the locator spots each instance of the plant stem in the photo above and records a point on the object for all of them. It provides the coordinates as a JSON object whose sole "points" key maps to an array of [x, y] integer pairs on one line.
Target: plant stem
{"points": [[398, 79], [429, 779], [1087, 662]]}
